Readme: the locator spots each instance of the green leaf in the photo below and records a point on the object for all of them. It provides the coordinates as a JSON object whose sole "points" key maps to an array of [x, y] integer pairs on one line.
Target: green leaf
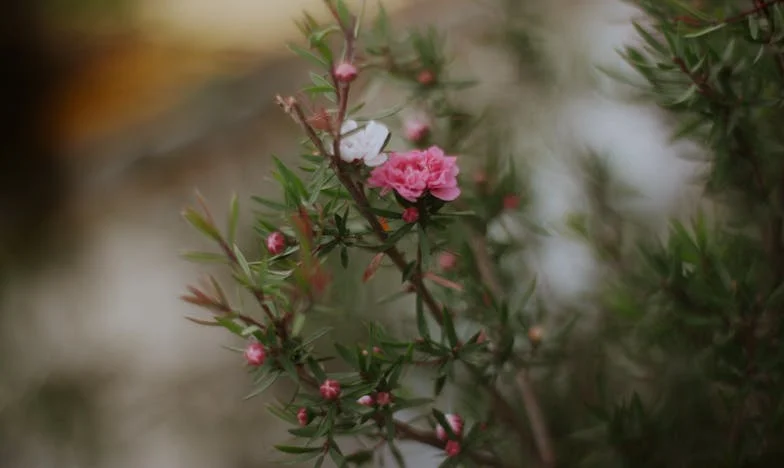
{"points": [[315, 369], [424, 247], [650, 40], [299, 323], [343, 256], [348, 356], [705, 31], [441, 420], [291, 182], [201, 224], [316, 335], [297, 450], [230, 325], [264, 385], [424, 330], [344, 15], [449, 327], [204, 257], [439, 385], [234, 215], [310, 56], [336, 456]]}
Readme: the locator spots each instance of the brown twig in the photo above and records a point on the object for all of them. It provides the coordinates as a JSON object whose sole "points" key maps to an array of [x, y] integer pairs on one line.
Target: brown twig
{"points": [[536, 418]]}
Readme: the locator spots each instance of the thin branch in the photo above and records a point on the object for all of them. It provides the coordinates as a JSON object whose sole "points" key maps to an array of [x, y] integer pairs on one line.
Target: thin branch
{"points": [[536, 418]]}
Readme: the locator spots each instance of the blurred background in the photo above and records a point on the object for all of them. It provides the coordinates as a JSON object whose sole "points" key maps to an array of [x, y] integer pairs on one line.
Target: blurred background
{"points": [[113, 113]]}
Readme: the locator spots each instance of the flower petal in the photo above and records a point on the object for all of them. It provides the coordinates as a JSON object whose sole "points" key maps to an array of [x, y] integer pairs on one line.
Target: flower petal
{"points": [[348, 126], [377, 160], [376, 135], [446, 193]]}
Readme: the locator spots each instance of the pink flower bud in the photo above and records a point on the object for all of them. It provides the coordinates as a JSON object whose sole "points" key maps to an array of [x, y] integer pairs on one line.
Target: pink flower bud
{"points": [[426, 77], [376, 350], [255, 354], [346, 72], [416, 130], [302, 417], [366, 400], [410, 215], [330, 389], [455, 423], [511, 202], [447, 261], [452, 448], [276, 242], [383, 398]]}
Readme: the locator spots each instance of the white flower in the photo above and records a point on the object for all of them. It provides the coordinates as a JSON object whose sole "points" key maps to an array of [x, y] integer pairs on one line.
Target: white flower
{"points": [[365, 144]]}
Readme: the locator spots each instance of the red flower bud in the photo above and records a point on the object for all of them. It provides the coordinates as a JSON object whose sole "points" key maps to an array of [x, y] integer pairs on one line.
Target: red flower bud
{"points": [[410, 215], [511, 202], [366, 400], [426, 77], [447, 261], [330, 389], [383, 398], [276, 242], [302, 417], [346, 72], [452, 448], [416, 130], [255, 354]]}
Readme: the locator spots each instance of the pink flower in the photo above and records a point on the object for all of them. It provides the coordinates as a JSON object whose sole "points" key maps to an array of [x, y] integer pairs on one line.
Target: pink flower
{"points": [[452, 448], [383, 398], [455, 423], [255, 354], [413, 173], [302, 417], [376, 350], [366, 400], [330, 389], [346, 72], [416, 129], [511, 202], [410, 215], [426, 77], [276, 242], [447, 261]]}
